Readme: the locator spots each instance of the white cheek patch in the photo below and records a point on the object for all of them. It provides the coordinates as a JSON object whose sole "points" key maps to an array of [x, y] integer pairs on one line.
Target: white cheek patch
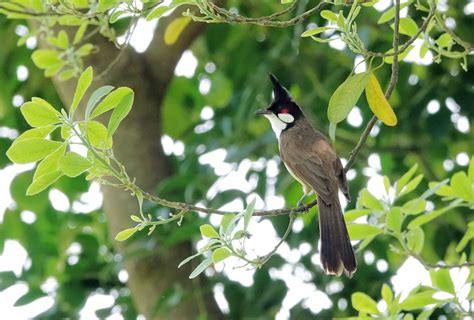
{"points": [[286, 117], [277, 125]]}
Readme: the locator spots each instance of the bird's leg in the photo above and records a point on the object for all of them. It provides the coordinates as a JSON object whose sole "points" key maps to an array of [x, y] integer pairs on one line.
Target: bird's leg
{"points": [[300, 201], [306, 191]]}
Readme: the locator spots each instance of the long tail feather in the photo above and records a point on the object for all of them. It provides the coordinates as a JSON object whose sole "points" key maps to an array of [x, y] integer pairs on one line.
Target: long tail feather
{"points": [[337, 255]]}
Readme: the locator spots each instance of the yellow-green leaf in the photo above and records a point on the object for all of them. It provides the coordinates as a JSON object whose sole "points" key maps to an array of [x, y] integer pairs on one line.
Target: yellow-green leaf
{"points": [[346, 96], [41, 132], [125, 234], [73, 164], [378, 103], [315, 31], [220, 254], [361, 231], [119, 113], [83, 84], [50, 163], [96, 132], [111, 101], [363, 303], [31, 150], [43, 182], [174, 29], [39, 115], [208, 231]]}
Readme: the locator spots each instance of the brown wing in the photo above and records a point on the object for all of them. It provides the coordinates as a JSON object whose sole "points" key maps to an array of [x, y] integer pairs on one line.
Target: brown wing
{"points": [[314, 165]]}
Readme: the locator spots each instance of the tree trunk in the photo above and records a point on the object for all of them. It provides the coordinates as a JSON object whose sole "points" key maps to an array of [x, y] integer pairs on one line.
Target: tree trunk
{"points": [[137, 144]]}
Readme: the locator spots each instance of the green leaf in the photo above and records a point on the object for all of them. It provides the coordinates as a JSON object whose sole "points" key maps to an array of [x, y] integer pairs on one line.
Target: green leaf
{"points": [[389, 59], [415, 206], [248, 213], [395, 219], [415, 239], [378, 103], [41, 132], [315, 31], [425, 314], [182, 263], [50, 163], [341, 22], [39, 115], [351, 215], [105, 5], [445, 40], [387, 294], [346, 96], [158, 11], [400, 183], [411, 185], [96, 96], [363, 303], [407, 27], [67, 74], [65, 132], [468, 236], [425, 218], [220, 254], [201, 268], [433, 188], [470, 171], [119, 113], [361, 231], [462, 186], [390, 13], [418, 300], [442, 279], [329, 15], [63, 40], [43, 182], [367, 200], [111, 101], [43, 58], [386, 183], [226, 219], [73, 164], [83, 84], [125, 234], [31, 150], [208, 231], [80, 33]]}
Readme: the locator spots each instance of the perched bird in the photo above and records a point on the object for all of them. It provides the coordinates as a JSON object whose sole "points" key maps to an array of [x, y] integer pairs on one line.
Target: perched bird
{"points": [[312, 161]]}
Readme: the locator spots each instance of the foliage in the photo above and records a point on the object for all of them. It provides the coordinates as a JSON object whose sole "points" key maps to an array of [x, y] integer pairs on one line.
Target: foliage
{"points": [[406, 226]]}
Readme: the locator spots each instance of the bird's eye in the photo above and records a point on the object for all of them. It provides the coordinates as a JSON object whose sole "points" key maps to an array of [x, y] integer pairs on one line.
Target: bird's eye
{"points": [[284, 110]]}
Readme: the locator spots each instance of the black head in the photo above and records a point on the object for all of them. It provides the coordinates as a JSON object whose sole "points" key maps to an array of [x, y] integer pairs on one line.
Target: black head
{"points": [[282, 105]]}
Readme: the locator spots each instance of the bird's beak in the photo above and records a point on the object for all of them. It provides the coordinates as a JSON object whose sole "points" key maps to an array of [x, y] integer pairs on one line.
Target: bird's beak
{"points": [[262, 111]]}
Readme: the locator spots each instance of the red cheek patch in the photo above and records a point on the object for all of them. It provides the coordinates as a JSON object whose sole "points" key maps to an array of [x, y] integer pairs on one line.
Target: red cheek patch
{"points": [[284, 110]]}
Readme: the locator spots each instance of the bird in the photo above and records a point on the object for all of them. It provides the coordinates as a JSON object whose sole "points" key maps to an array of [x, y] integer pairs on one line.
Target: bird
{"points": [[312, 161]]}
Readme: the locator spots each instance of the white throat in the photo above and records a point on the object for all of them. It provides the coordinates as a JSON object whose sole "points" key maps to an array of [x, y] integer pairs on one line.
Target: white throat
{"points": [[279, 123]]}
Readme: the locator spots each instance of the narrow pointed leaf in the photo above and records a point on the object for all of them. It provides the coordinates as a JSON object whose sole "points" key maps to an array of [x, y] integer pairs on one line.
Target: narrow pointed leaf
{"points": [[201, 268], [95, 98], [119, 113], [83, 84], [378, 103], [174, 29], [125, 234], [346, 96], [111, 101], [43, 182]]}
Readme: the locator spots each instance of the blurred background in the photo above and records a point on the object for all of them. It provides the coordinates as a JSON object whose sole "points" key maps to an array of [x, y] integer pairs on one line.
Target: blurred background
{"points": [[192, 136]]}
